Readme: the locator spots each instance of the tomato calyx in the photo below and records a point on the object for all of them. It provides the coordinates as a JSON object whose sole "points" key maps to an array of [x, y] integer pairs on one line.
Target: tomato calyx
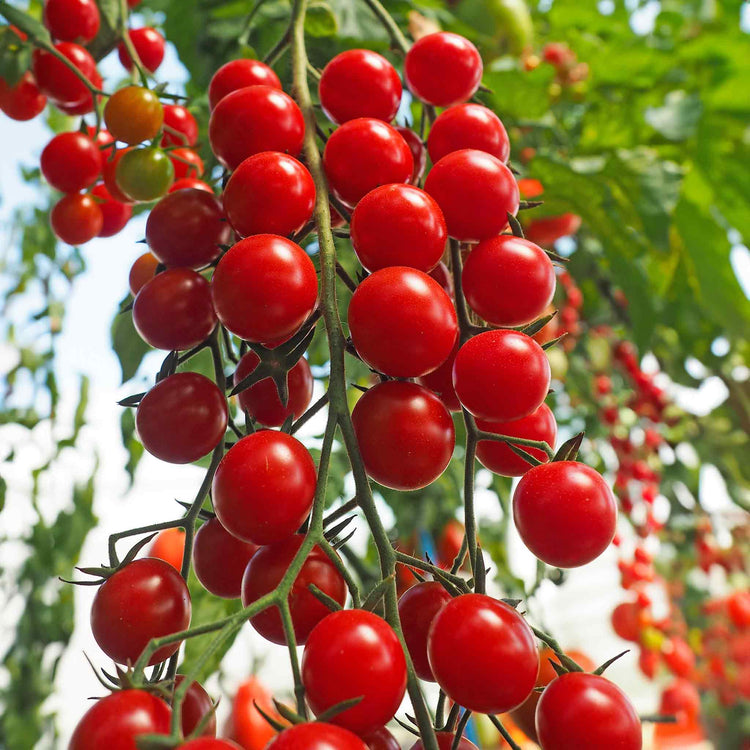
{"points": [[568, 451]]}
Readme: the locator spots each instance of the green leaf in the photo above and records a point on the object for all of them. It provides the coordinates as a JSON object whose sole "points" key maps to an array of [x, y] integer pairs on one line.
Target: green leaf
{"points": [[129, 347], [678, 118], [320, 20], [133, 446], [3, 490], [15, 56], [25, 22]]}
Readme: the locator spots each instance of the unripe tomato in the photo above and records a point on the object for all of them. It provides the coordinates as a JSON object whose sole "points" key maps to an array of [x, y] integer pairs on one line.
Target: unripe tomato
{"points": [[133, 114], [115, 215], [144, 174], [169, 545], [149, 45], [316, 736], [23, 101], [72, 20], [76, 218], [195, 706], [239, 74], [141, 272], [60, 83], [179, 119], [71, 162], [468, 126]]}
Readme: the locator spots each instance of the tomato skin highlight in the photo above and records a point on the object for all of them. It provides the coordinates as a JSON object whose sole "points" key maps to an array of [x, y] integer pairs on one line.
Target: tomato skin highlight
{"points": [[58, 82], [72, 20], [133, 114], [316, 736], [141, 272], [239, 74], [180, 119], [71, 162], [149, 45], [144, 174], [196, 704], [468, 126], [76, 218], [23, 101], [169, 545]]}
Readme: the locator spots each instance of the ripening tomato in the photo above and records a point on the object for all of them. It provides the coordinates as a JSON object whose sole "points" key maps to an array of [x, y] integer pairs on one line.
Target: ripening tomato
{"points": [[269, 193], [405, 434], [141, 272], [149, 45], [443, 69], [72, 20], [440, 381], [549, 229], [445, 742], [264, 573], [362, 154], [264, 487], [351, 653], [195, 706], [186, 162], [359, 83], [580, 710], [468, 126], [115, 215], [182, 418], [508, 281], [246, 725], [144, 174], [169, 545], [417, 608], [173, 311], [180, 127], [71, 162], [133, 114], [117, 719], [239, 74], [264, 288], [500, 458], [187, 228], [255, 119], [261, 400], [398, 225], [60, 83], [475, 191], [22, 101], [501, 375], [381, 739], [565, 513], [418, 152], [145, 599], [316, 736], [76, 218], [473, 639]]}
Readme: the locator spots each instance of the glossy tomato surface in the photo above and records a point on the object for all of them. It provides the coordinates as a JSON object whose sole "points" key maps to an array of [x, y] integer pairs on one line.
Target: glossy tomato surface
{"points": [[381, 739], [141, 272], [71, 162], [169, 545], [57, 81], [133, 114], [316, 736], [195, 706], [115, 215], [72, 20], [23, 101], [180, 127], [468, 126], [76, 218], [238, 74], [144, 174], [149, 45]]}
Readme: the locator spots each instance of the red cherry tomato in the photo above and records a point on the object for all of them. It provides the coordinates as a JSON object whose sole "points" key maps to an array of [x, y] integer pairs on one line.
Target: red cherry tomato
{"points": [[363, 154], [255, 119], [141, 272], [549, 229], [443, 69], [263, 574], [468, 126], [220, 559], [264, 487], [681, 698], [246, 725], [445, 742], [530, 188], [60, 83], [474, 638], [498, 457], [501, 375], [359, 83], [239, 74], [187, 163], [508, 281], [449, 542], [195, 706], [190, 183], [85, 106], [584, 710], [149, 45], [169, 545], [182, 418], [133, 114], [443, 276], [187, 228], [332, 669], [405, 434], [381, 739], [264, 288], [261, 400], [76, 218], [179, 119], [146, 599], [398, 225], [565, 513], [316, 736], [174, 311], [119, 718], [440, 381], [738, 608], [626, 621], [72, 20], [417, 609], [475, 191], [115, 215], [418, 152], [269, 193], [23, 101]]}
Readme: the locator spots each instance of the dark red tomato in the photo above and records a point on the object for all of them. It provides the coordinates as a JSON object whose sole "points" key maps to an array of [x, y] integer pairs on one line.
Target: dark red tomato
{"points": [[182, 418], [133, 114], [468, 126], [72, 20], [239, 74], [398, 225], [381, 739], [109, 173], [418, 152], [195, 706], [316, 736], [501, 375], [76, 218], [269, 193], [473, 639], [115, 215], [264, 288], [180, 127], [255, 119], [146, 599], [264, 573], [440, 381], [363, 154], [476, 192], [332, 669], [401, 322], [57, 81], [738, 607], [71, 162], [359, 83], [626, 621], [445, 742], [405, 434], [186, 162], [174, 311], [443, 69], [264, 487], [144, 174], [117, 719], [245, 724], [23, 101], [585, 710], [209, 743], [169, 545], [508, 281], [141, 272], [149, 45], [444, 277], [417, 609], [187, 228], [261, 400], [187, 183], [498, 457], [565, 513], [220, 559], [679, 657], [547, 230]]}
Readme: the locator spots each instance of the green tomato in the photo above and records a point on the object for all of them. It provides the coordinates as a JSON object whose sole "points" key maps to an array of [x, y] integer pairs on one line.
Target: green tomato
{"points": [[145, 174], [513, 24]]}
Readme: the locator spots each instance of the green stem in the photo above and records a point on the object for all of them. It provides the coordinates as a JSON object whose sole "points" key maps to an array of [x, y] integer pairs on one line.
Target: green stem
{"points": [[122, 28], [398, 39]]}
